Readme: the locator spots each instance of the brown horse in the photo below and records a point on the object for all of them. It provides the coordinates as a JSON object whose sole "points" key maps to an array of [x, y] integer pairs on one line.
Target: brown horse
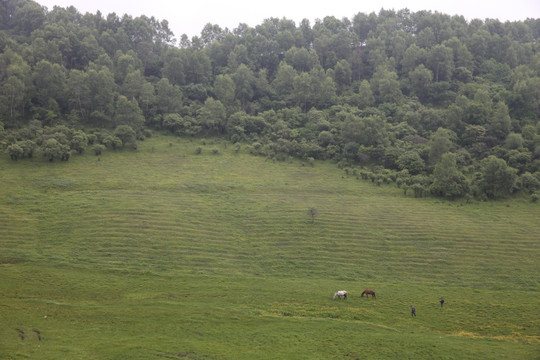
{"points": [[368, 292]]}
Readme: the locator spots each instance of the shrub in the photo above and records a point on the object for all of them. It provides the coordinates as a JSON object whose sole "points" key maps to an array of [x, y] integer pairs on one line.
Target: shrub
{"points": [[15, 151], [98, 149]]}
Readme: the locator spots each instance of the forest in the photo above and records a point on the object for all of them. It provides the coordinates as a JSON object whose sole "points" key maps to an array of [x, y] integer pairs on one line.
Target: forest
{"points": [[435, 104]]}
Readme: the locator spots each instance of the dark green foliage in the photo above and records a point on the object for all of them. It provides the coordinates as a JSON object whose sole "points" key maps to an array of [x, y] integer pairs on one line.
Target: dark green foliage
{"points": [[448, 181], [498, 179], [79, 141], [52, 149], [369, 91], [15, 151], [112, 142], [529, 182], [126, 134], [98, 149], [412, 162]]}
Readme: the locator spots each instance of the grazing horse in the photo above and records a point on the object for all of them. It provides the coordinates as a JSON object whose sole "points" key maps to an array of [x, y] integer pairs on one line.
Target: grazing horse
{"points": [[368, 292], [340, 293]]}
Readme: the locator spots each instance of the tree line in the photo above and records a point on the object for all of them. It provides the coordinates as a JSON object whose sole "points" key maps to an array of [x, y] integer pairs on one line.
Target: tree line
{"points": [[434, 103]]}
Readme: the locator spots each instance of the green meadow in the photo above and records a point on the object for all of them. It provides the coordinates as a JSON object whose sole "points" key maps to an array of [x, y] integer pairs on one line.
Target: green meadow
{"points": [[163, 253]]}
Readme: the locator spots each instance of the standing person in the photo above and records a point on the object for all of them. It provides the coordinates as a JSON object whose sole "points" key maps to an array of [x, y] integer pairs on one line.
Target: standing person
{"points": [[413, 311], [442, 302]]}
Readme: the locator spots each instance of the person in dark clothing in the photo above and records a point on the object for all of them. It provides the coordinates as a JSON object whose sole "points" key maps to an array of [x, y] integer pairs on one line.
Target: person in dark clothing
{"points": [[442, 302], [413, 310]]}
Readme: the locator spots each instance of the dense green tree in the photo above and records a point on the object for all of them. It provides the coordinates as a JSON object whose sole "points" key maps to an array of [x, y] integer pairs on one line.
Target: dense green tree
{"points": [[15, 75], [15, 151], [127, 112], [499, 123], [374, 56], [125, 64], [169, 98], [50, 84], [29, 147], [366, 131], [412, 58], [237, 57], [53, 149], [412, 162], [98, 149], [263, 90], [470, 87], [518, 159], [212, 116], [342, 75], [440, 61], [448, 181], [365, 96], [385, 86], [301, 59], [302, 94], [513, 141], [421, 79], [426, 38], [313, 89], [79, 141], [132, 87], [147, 97], [497, 179], [198, 68], [112, 142], [101, 90], [527, 97], [440, 143], [283, 83], [173, 67], [211, 33], [477, 113], [244, 82], [217, 54], [473, 134], [478, 44], [462, 56], [195, 92], [332, 41], [224, 89], [236, 125], [325, 138], [126, 134], [174, 123], [79, 99], [529, 182], [362, 24], [28, 17]]}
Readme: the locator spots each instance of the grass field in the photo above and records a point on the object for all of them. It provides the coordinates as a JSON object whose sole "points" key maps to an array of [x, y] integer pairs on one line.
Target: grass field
{"points": [[165, 254]]}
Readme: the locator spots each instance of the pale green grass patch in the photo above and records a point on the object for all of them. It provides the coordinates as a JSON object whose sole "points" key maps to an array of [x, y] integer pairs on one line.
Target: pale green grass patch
{"points": [[163, 253]]}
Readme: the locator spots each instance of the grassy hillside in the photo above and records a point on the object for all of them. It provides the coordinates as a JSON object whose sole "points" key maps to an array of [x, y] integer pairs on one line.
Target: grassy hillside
{"points": [[166, 254]]}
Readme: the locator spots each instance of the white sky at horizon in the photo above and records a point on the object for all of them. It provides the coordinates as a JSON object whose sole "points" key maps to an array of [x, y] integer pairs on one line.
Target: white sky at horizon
{"points": [[190, 17]]}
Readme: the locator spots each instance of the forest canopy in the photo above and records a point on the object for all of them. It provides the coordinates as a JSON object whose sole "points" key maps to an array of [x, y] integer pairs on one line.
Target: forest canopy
{"points": [[437, 104]]}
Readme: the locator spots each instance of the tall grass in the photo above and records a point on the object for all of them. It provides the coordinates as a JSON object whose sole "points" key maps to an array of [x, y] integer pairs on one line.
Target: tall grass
{"points": [[166, 253]]}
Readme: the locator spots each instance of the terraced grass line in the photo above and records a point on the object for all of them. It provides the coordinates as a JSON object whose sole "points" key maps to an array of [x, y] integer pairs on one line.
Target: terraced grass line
{"points": [[163, 253]]}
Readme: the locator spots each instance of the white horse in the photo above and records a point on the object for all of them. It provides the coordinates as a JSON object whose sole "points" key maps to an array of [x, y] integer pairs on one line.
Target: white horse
{"points": [[340, 293]]}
